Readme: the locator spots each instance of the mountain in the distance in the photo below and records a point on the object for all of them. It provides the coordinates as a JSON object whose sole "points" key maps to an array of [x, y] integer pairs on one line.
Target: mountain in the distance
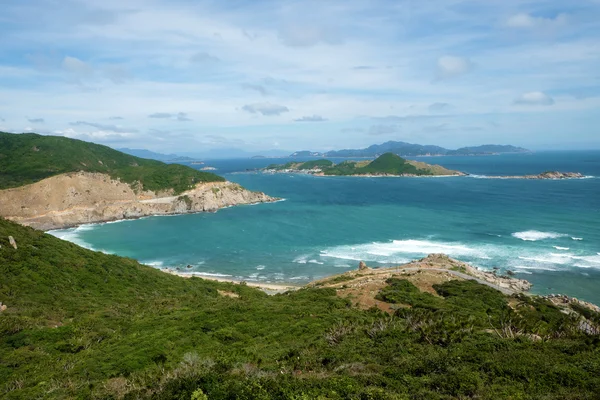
{"points": [[307, 153], [143, 153], [487, 149], [411, 149]]}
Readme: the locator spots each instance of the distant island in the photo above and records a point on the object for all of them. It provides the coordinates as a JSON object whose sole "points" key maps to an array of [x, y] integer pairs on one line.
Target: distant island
{"points": [[410, 149], [151, 155], [388, 164], [553, 175]]}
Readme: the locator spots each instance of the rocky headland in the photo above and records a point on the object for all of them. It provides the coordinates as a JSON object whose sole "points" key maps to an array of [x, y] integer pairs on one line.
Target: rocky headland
{"points": [[555, 175], [73, 199]]}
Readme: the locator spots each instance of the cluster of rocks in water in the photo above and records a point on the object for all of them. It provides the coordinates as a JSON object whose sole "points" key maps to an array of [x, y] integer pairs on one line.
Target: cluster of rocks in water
{"points": [[563, 299], [555, 175]]}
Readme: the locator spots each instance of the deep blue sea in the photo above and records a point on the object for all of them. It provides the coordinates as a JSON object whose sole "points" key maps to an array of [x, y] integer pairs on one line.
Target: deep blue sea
{"points": [[546, 231]]}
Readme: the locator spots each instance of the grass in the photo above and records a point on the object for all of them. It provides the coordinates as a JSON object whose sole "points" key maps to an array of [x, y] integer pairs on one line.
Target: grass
{"points": [[27, 158], [82, 324]]}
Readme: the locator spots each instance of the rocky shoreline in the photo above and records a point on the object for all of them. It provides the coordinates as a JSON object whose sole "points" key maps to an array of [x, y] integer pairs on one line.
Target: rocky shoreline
{"points": [[552, 175], [74, 199]]}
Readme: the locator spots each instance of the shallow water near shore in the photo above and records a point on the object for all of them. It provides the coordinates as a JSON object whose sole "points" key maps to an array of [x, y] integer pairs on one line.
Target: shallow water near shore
{"points": [[548, 232]]}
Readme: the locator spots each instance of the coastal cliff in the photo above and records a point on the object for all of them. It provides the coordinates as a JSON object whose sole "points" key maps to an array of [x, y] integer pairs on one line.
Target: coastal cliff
{"points": [[72, 199]]}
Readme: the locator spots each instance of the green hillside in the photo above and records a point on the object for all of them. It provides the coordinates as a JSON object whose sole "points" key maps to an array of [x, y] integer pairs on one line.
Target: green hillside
{"points": [[390, 163], [82, 324], [27, 158]]}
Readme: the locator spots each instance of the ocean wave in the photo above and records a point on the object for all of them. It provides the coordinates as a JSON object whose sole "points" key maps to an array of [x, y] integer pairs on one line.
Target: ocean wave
{"points": [[216, 274], [155, 264], [551, 258], [301, 259], [73, 235], [560, 248], [392, 252], [315, 262], [582, 266], [536, 268], [589, 259], [260, 267], [533, 236], [298, 278], [576, 238]]}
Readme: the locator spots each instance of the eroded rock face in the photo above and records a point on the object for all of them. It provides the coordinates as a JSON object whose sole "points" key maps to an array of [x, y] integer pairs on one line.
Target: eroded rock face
{"points": [[443, 261], [544, 175], [560, 175], [79, 198], [362, 266]]}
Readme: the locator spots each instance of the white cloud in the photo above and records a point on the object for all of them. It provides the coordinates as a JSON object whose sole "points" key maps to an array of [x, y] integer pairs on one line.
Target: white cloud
{"points": [[160, 115], [534, 98], [527, 21], [76, 66], [436, 107], [309, 34], [181, 116], [265, 109], [452, 66], [117, 74], [258, 88], [377, 130], [311, 118], [203, 58], [104, 127]]}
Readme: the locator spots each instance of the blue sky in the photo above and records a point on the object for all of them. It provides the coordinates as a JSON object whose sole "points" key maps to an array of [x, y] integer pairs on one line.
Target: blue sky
{"points": [[191, 76]]}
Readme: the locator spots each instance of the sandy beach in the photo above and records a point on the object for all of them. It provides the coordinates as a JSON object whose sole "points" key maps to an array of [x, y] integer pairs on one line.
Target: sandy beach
{"points": [[270, 288]]}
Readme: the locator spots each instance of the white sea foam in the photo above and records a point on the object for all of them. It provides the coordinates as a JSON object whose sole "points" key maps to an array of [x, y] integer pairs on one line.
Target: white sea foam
{"points": [[576, 238], [73, 235], [301, 259], [533, 236], [393, 252], [536, 267], [560, 248], [155, 264], [551, 258], [582, 266], [589, 259], [211, 274], [260, 267], [315, 262], [298, 278]]}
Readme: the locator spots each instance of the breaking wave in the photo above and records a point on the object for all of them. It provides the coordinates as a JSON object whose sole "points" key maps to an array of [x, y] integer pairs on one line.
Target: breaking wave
{"points": [[533, 236]]}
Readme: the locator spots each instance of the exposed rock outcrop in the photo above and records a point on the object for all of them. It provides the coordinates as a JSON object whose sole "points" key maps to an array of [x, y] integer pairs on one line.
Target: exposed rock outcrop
{"points": [[362, 266], [544, 175], [443, 261], [78, 198], [12, 242]]}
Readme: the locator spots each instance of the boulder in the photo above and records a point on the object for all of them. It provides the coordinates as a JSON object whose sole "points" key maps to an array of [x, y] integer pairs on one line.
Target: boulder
{"points": [[362, 266], [12, 242]]}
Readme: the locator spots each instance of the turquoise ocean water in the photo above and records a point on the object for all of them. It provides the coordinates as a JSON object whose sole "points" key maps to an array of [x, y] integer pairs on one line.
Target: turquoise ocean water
{"points": [[546, 231]]}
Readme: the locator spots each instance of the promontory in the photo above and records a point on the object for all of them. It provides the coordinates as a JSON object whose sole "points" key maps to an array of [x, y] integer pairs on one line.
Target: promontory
{"points": [[51, 182], [387, 164]]}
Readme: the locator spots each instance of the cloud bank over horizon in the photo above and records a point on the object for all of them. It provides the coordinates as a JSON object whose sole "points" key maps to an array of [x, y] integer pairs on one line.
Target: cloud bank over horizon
{"points": [[175, 76]]}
